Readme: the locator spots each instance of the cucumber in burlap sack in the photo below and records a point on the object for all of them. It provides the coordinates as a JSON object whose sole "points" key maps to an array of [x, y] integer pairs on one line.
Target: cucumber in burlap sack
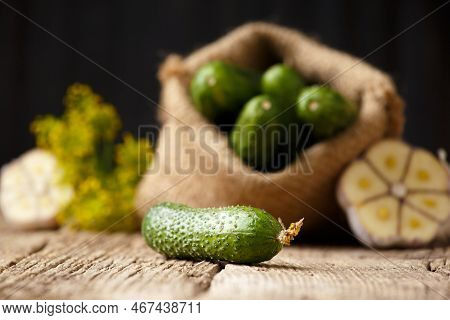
{"points": [[194, 164]]}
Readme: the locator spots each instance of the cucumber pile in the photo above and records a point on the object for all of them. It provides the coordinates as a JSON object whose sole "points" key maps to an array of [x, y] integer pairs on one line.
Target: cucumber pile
{"points": [[268, 110]]}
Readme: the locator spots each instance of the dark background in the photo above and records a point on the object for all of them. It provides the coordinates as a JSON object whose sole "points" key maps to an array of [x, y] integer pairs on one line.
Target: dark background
{"points": [[130, 39]]}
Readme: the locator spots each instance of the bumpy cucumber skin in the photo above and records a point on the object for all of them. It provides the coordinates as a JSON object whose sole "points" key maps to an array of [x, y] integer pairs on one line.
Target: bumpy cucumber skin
{"points": [[260, 130], [332, 112], [283, 82], [237, 234], [220, 89]]}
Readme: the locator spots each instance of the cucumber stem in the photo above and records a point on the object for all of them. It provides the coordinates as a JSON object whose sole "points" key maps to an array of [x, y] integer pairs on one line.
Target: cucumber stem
{"points": [[287, 235]]}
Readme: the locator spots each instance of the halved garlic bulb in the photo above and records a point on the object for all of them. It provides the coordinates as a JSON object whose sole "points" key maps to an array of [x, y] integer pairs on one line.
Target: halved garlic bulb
{"points": [[395, 195], [31, 192]]}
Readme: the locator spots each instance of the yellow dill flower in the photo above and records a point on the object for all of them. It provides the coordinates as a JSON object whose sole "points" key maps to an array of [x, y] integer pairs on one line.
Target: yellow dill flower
{"points": [[103, 175], [42, 127], [80, 96], [72, 140], [97, 208], [132, 158], [105, 121]]}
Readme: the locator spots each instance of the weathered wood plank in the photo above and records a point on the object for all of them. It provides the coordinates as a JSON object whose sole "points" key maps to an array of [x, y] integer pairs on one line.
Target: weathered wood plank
{"points": [[103, 266], [338, 273], [18, 246], [69, 265]]}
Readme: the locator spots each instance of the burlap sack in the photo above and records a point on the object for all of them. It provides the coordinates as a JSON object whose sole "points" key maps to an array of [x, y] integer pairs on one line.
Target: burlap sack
{"points": [[285, 194]]}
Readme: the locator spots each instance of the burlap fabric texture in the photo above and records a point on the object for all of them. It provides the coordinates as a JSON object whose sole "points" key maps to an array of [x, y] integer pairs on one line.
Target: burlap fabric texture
{"points": [[178, 173]]}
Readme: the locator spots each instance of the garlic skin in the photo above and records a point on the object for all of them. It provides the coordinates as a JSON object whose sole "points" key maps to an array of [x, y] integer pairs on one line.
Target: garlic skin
{"points": [[31, 192], [396, 195]]}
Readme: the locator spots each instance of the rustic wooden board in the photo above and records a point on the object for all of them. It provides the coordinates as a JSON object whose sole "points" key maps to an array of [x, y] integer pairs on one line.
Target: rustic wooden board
{"points": [[68, 265], [339, 273]]}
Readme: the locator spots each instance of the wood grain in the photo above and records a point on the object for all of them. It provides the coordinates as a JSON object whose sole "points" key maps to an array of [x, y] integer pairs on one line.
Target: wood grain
{"points": [[88, 266], [338, 273], [68, 265]]}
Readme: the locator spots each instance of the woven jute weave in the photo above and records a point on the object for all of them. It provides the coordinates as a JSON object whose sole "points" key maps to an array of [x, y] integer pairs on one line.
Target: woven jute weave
{"points": [[178, 172]]}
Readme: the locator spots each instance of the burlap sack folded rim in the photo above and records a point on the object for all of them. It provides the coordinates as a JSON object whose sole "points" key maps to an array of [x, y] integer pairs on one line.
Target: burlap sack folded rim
{"points": [[257, 45]]}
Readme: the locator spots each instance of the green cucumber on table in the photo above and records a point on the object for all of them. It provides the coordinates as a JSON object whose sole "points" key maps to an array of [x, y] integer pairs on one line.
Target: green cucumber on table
{"points": [[238, 234]]}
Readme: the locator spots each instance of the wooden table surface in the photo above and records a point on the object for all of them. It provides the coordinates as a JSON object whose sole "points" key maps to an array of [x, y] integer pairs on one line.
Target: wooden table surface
{"points": [[69, 265]]}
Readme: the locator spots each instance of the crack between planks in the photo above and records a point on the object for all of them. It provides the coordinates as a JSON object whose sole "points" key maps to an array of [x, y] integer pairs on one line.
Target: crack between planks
{"points": [[437, 266], [205, 290]]}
